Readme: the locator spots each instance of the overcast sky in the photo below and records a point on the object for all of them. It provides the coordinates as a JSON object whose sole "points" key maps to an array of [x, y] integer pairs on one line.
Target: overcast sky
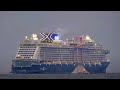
{"points": [[103, 26]]}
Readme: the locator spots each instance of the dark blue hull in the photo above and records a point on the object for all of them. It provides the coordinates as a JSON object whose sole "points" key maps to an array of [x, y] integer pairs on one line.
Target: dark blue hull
{"points": [[59, 68], [98, 68], [45, 69]]}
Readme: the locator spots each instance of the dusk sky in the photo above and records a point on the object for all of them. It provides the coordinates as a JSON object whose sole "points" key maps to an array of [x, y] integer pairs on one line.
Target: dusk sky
{"points": [[102, 26]]}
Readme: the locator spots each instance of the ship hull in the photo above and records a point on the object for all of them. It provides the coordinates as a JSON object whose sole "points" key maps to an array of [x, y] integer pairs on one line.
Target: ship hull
{"points": [[58, 68], [45, 69], [96, 68]]}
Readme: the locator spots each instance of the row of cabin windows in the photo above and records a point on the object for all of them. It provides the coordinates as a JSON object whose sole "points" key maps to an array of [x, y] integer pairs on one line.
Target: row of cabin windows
{"points": [[90, 55], [69, 58], [72, 54], [27, 47], [93, 51], [26, 55], [27, 44], [58, 51], [90, 58], [52, 55], [59, 54], [65, 59], [68, 49], [54, 50], [96, 57], [26, 51], [61, 58], [88, 52]]}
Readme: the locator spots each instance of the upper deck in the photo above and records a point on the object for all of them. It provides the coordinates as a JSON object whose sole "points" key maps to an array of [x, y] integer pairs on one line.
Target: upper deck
{"points": [[49, 46]]}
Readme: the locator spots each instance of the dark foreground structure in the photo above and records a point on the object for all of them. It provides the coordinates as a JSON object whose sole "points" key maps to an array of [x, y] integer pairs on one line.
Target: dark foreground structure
{"points": [[61, 76]]}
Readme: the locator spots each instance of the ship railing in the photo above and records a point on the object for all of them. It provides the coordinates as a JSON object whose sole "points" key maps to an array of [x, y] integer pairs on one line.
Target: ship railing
{"points": [[67, 62]]}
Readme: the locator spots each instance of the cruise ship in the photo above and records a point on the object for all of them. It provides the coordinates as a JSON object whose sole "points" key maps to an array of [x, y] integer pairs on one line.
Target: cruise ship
{"points": [[46, 53]]}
